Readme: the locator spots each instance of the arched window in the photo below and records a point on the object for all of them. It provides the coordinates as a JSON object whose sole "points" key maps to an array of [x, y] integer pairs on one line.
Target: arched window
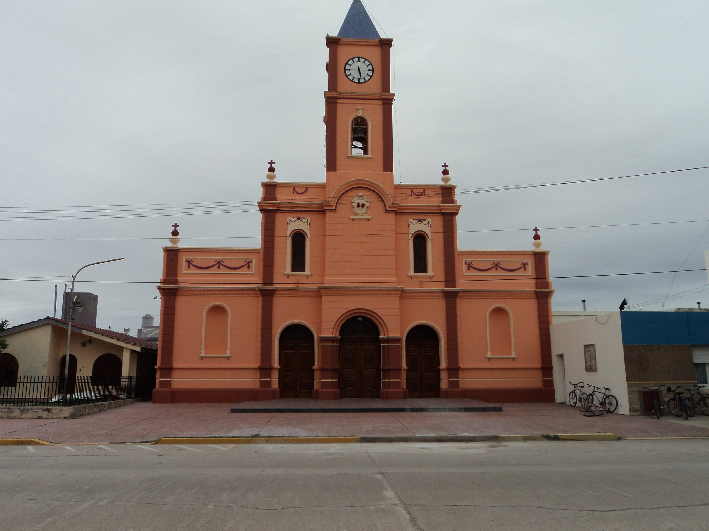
{"points": [[298, 246], [9, 369], [216, 331], [420, 258], [107, 370], [298, 252], [360, 136], [500, 338]]}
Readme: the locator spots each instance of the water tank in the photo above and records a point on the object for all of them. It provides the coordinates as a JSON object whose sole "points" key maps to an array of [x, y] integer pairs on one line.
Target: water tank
{"points": [[148, 320]]}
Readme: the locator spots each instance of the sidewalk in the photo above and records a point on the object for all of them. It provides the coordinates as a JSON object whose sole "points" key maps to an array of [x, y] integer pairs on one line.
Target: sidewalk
{"points": [[147, 422]]}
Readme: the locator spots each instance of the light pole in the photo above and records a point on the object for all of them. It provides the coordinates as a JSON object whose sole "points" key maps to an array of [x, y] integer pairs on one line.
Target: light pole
{"points": [[71, 318]]}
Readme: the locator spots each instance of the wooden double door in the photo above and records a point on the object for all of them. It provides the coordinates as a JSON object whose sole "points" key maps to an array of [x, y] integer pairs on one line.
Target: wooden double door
{"points": [[296, 378], [422, 361], [360, 359]]}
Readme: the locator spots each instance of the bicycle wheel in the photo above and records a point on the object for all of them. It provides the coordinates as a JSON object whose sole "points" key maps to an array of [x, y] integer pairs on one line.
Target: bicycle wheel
{"points": [[658, 409], [573, 399], [691, 410], [685, 413], [674, 407], [584, 402], [703, 405], [610, 403]]}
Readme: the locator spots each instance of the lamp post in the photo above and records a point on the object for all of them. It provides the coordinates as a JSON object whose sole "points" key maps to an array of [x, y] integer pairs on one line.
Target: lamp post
{"points": [[71, 318]]}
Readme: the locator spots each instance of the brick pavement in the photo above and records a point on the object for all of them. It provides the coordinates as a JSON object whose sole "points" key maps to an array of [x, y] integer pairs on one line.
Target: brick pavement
{"points": [[142, 422]]}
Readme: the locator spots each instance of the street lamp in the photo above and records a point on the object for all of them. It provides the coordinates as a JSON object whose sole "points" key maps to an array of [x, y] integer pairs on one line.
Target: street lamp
{"points": [[72, 305]]}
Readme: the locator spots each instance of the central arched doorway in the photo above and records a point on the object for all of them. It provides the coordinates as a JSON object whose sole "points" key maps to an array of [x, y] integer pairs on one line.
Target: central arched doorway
{"points": [[360, 358], [422, 362], [296, 347]]}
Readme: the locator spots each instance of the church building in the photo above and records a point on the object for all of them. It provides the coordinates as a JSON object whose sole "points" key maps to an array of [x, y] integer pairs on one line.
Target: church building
{"points": [[358, 288]]}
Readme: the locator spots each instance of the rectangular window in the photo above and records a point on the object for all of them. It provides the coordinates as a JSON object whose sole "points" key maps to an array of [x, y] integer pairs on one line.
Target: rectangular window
{"points": [[700, 356], [589, 357]]}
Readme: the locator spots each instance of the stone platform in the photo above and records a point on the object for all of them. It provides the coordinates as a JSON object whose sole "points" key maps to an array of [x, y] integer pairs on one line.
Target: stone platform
{"points": [[367, 405]]}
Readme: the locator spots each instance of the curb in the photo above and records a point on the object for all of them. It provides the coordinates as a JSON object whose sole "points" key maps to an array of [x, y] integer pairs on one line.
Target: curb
{"points": [[256, 440], [23, 442], [561, 437]]}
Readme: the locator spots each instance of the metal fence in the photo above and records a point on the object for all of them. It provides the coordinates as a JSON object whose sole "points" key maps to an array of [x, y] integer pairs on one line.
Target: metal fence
{"points": [[49, 390]]}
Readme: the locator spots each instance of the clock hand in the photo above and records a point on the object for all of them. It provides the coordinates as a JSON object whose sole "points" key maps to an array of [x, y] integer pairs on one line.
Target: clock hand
{"points": [[359, 70]]}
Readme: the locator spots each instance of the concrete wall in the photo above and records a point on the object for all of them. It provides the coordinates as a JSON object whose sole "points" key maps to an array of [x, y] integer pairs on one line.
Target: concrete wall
{"points": [[30, 348], [655, 365], [568, 340]]}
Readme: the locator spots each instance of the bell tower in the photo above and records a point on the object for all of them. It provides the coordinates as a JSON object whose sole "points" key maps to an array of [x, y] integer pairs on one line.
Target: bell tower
{"points": [[358, 103]]}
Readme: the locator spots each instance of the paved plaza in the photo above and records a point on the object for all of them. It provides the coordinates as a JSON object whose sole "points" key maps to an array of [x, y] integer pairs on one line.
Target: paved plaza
{"points": [[147, 422]]}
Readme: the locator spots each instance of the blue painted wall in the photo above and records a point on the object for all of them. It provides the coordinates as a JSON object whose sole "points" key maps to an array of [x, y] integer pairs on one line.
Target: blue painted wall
{"points": [[665, 328]]}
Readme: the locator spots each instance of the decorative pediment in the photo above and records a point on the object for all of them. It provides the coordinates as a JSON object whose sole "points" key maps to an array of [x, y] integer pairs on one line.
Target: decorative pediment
{"points": [[420, 225], [299, 223]]}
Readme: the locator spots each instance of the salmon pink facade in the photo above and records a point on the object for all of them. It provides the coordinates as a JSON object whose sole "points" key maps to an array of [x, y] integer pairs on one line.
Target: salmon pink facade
{"points": [[358, 288]]}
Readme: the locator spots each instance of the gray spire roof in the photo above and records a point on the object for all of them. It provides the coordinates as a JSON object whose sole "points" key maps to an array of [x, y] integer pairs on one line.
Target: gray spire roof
{"points": [[357, 24]]}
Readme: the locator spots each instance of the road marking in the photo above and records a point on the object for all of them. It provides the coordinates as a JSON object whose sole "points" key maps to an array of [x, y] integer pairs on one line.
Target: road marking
{"points": [[147, 448], [217, 446], [188, 448], [107, 448], [31, 449], [70, 448]]}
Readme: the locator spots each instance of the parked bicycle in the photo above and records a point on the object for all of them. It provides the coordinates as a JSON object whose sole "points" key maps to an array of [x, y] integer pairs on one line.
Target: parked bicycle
{"points": [[577, 394], [599, 398], [698, 400], [656, 407], [678, 404]]}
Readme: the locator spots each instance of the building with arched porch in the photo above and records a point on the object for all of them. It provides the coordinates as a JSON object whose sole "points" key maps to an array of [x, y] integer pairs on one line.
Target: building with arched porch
{"points": [[358, 288]]}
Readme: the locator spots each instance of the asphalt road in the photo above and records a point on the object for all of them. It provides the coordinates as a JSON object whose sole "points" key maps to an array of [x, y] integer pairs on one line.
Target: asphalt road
{"points": [[626, 485]]}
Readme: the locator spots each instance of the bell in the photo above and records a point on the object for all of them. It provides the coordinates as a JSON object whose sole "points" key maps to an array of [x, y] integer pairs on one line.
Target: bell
{"points": [[359, 134]]}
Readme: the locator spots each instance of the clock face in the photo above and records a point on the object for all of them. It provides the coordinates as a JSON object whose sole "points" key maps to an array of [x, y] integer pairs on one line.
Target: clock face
{"points": [[359, 70]]}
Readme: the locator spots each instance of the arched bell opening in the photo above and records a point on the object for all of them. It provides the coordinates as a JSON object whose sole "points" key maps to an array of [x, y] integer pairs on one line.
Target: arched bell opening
{"points": [[359, 134], [360, 358]]}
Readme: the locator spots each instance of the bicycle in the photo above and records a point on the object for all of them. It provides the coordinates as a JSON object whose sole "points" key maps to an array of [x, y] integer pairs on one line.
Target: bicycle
{"points": [[609, 401], [678, 405], [657, 408], [591, 405], [577, 394], [698, 400]]}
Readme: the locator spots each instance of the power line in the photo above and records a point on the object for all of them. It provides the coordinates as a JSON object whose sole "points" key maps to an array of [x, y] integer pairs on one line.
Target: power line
{"points": [[675, 296], [526, 229], [313, 283], [229, 207]]}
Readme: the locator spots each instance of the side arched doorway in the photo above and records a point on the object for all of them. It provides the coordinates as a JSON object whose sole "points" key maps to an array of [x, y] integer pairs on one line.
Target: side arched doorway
{"points": [[423, 375], [296, 354], [360, 358], [107, 371], [72, 373]]}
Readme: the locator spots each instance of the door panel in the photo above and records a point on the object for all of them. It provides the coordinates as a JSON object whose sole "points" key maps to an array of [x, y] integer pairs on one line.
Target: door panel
{"points": [[422, 373], [296, 377], [360, 367]]}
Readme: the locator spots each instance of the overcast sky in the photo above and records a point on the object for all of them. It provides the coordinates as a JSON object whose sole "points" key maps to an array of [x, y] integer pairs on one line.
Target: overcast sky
{"points": [[180, 102]]}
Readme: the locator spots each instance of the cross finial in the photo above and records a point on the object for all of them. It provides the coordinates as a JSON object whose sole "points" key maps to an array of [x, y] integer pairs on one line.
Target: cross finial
{"points": [[174, 232], [271, 169], [536, 234], [445, 169]]}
